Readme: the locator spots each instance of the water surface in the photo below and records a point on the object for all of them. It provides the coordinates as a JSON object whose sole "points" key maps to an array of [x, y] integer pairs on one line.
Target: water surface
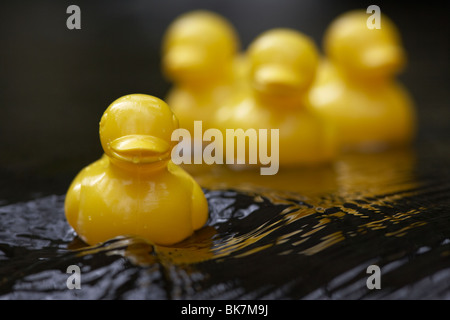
{"points": [[301, 234]]}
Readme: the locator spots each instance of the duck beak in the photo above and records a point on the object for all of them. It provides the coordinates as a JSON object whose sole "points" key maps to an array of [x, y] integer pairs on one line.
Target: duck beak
{"points": [[277, 79], [385, 59], [140, 148], [181, 60]]}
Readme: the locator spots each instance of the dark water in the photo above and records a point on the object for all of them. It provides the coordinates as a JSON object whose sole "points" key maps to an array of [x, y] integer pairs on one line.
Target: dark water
{"points": [[302, 234]]}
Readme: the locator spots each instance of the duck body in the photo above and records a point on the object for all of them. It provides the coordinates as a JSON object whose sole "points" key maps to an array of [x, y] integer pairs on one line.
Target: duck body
{"points": [[366, 118], [155, 200], [199, 103], [303, 137], [104, 202]]}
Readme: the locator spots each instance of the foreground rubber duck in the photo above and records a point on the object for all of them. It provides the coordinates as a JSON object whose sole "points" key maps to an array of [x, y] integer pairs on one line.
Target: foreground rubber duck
{"points": [[200, 57], [282, 66], [135, 189], [356, 87]]}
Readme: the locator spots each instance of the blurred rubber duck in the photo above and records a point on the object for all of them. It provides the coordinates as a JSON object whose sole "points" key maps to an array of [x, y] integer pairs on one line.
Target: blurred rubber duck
{"points": [[135, 189], [282, 66], [356, 87], [200, 57]]}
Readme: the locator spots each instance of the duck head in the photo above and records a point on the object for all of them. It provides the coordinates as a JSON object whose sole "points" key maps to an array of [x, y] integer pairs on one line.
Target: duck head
{"points": [[136, 130], [283, 63], [362, 54], [198, 47]]}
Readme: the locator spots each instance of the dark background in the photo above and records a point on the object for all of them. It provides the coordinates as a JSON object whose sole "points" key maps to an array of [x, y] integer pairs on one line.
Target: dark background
{"points": [[55, 83]]}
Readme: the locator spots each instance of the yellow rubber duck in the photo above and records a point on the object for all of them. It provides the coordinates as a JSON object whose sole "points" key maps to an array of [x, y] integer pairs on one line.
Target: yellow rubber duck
{"points": [[135, 189], [356, 87], [282, 66], [200, 57]]}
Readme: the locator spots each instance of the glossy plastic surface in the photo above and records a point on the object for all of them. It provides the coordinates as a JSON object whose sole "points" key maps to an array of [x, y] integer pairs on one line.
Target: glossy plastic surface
{"points": [[356, 87], [135, 189]]}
